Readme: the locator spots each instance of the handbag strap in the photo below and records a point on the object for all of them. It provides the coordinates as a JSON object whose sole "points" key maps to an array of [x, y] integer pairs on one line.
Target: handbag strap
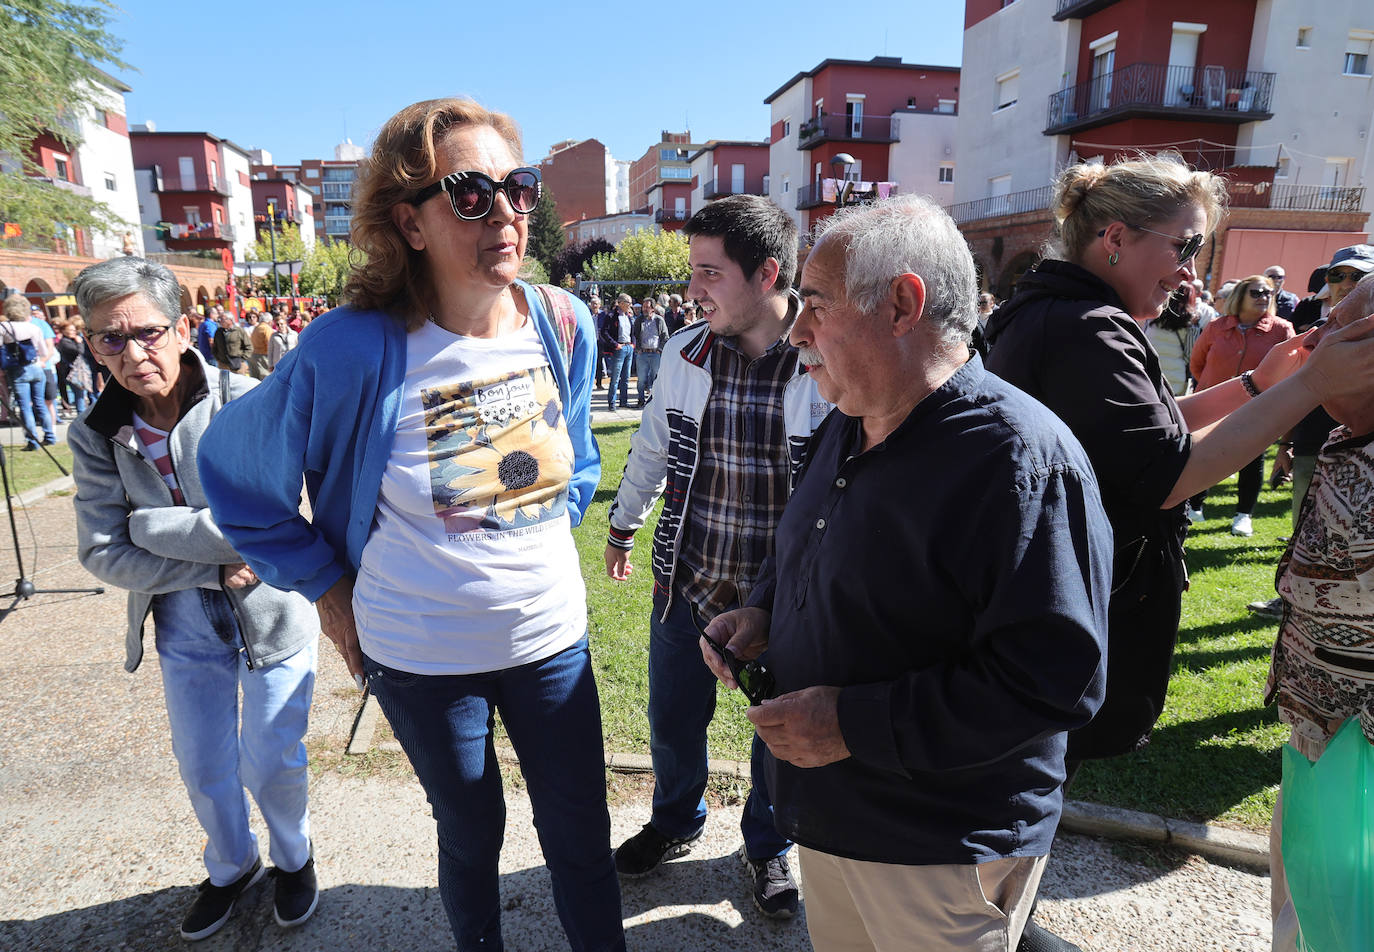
{"points": [[564, 319]]}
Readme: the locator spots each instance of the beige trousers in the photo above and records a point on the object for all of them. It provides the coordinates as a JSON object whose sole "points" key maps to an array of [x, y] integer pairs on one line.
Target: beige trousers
{"points": [[854, 906]]}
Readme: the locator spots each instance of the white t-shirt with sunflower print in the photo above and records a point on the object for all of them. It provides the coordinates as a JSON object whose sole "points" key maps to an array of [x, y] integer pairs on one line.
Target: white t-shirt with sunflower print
{"points": [[471, 564]]}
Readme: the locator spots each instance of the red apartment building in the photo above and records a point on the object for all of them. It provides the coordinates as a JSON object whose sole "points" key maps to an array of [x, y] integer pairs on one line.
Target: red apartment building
{"points": [[883, 113], [662, 179], [1228, 84], [575, 173], [191, 180], [330, 183], [729, 168]]}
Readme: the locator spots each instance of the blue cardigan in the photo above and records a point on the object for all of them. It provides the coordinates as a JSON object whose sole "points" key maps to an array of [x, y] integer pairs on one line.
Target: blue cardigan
{"points": [[328, 414]]}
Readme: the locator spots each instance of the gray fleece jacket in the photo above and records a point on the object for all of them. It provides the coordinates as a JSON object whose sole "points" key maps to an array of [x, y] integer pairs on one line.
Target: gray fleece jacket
{"points": [[131, 533]]}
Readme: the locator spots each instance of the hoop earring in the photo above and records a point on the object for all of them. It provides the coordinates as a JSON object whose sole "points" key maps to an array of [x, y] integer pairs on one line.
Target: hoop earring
{"points": [[1113, 258]]}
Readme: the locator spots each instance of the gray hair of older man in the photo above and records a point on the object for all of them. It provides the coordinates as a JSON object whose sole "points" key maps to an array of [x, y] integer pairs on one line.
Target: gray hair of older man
{"points": [[909, 233], [119, 277]]}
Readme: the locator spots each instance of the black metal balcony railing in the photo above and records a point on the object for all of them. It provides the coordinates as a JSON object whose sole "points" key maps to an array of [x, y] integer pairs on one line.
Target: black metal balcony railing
{"points": [[1014, 203], [1080, 8], [1305, 198], [1149, 89], [861, 129], [670, 214]]}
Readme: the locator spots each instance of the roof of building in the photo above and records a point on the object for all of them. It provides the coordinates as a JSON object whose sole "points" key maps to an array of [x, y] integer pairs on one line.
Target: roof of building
{"points": [[881, 62], [204, 135], [714, 144]]}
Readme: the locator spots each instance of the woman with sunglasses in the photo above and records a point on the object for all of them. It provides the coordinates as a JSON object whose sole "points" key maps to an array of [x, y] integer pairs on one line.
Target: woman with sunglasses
{"points": [[1071, 337], [1232, 344], [441, 424]]}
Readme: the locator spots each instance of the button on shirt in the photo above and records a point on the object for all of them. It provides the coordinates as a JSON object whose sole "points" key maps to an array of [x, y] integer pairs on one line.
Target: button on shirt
{"points": [[953, 582]]}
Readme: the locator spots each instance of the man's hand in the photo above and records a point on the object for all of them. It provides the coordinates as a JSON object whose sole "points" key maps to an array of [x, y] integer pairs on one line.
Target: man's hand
{"points": [[239, 575], [802, 728], [335, 608], [618, 565], [1342, 364], [744, 631]]}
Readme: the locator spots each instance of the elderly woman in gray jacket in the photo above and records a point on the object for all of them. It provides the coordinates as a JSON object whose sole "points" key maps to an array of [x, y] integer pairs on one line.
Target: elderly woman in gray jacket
{"points": [[144, 525]]}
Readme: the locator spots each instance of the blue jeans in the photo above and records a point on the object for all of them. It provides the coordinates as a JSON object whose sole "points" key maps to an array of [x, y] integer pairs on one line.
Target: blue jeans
{"points": [[552, 714], [28, 386], [202, 669], [618, 363], [682, 701], [647, 372]]}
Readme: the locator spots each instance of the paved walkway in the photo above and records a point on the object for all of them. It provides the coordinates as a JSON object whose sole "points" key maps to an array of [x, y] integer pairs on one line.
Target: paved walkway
{"points": [[101, 850]]}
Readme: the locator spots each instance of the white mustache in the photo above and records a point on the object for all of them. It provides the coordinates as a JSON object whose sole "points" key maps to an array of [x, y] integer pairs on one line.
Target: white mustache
{"points": [[810, 357]]}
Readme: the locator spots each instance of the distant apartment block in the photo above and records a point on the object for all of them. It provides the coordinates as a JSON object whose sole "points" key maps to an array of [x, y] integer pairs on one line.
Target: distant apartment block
{"points": [[329, 182], [194, 191], [661, 179], [895, 121], [612, 228], [728, 168]]}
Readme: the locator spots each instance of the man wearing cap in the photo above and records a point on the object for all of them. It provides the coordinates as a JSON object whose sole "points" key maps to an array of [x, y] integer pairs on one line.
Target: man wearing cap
{"points": [[1299, 447], [1284, 301]]}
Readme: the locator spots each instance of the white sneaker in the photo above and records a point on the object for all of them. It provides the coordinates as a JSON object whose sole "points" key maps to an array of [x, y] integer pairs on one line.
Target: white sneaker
{"points": [[1194, 515], [1240, 525]]}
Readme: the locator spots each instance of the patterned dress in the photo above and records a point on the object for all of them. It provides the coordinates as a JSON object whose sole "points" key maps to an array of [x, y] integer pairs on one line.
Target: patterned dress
{"points": [[1322, 670]]}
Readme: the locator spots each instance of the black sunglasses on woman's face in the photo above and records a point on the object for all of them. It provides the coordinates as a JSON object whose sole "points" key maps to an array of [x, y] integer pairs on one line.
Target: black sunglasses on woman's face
{"points": [[1187, 247], [473, 194], [1260, 294]]}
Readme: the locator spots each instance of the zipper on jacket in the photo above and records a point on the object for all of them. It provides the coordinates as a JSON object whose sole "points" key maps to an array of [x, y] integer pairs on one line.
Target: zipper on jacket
{"points": [[246, 651]]}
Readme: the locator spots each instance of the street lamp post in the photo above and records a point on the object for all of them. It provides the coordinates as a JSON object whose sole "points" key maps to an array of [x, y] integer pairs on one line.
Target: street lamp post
{"points": [[840, 165], [272, 231]]}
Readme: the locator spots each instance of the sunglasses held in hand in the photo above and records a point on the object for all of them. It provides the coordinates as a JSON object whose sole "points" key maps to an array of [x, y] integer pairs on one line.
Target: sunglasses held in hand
{"points": [[753, 677]]}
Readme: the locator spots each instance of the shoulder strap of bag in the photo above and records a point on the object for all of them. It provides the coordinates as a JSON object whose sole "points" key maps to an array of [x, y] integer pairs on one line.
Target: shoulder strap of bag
{"points": [[224, 396], [562, 316]]}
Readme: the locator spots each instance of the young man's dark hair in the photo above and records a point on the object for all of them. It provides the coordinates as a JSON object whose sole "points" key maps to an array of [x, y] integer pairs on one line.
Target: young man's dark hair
{"points": [[752, 229]]}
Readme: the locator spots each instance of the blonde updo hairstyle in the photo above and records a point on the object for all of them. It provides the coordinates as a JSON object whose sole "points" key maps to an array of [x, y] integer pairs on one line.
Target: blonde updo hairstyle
{"points": [[1140, 191], [1242, 290], [390, 275]]}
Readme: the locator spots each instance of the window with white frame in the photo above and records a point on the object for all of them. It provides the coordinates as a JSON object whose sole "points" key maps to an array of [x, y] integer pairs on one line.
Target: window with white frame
{"points": [[947, 106], [109, 182], [1304, 37], [787, 127], [1357, 50], [946, 172], [1008, 88], [62, 168]]}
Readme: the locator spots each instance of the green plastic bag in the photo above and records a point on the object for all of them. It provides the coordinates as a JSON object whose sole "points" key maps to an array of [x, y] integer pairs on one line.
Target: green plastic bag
{"points": [[1328, 842]]}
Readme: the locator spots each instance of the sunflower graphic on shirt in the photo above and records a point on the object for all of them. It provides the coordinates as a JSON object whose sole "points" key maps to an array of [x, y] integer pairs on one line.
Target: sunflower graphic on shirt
{"points": [[499, 453]]}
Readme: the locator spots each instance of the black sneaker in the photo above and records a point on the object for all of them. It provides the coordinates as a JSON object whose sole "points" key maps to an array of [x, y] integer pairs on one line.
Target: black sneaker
{"points": [[775, 891], [644, 852], [215, 904], [296, 895]]}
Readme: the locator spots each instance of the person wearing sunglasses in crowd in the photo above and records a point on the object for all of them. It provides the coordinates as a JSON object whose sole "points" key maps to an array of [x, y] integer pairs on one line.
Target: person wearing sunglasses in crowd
{"points": [[1235, 343], [441, 424], [1285, 302], [143, 524], [1071, 337]]}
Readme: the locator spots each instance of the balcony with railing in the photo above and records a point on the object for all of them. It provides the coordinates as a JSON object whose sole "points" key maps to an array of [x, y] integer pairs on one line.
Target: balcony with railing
{"points": [[201, 231], [1077, 9], [1208, 93], [1303, 198], [718, 188], [670, 214], [827, 192], [192, 183], [1013, 203], [821, 129]]}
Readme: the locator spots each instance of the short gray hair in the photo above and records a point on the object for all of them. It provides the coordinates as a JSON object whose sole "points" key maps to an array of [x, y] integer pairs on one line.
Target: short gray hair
{"points": [[119, 277], [908, 233]]}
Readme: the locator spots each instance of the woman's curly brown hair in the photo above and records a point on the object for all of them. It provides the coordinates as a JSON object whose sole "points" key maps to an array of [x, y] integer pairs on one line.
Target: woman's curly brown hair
{"points": [[390, 275]]}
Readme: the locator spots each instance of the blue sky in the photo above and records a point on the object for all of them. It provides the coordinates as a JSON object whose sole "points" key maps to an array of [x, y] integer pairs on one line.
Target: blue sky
{"points": [[294, 78]]}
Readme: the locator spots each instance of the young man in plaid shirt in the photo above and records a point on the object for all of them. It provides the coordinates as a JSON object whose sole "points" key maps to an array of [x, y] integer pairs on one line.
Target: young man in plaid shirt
{"points": [[721, 440]]}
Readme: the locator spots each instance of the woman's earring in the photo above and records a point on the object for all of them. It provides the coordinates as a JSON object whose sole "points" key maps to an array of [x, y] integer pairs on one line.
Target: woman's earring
{"points": [[1113, 258]]}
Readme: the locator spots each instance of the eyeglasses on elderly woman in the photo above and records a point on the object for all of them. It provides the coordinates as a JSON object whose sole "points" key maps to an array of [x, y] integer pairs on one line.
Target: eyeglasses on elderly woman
{"points": [[1260, 293], [111, 343], [472, 194]]}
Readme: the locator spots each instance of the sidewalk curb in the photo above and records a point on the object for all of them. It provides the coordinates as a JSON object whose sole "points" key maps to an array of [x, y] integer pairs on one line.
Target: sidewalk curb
{"points": [[31, 496], [1218, 843]]}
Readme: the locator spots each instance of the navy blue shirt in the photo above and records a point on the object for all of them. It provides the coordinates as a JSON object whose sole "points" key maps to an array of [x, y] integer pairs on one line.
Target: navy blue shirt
{"points": [[953, 580]]}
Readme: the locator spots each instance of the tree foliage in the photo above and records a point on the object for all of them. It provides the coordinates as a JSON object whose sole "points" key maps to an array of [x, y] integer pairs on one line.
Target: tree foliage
{"points": [[644, 256], [532, 271], [546, 232], [324, 265], [573, 259], [48, 77]]}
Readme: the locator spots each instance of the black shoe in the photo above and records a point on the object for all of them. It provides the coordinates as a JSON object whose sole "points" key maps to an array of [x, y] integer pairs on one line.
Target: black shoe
{"points": [[30, 448], [50, 441], [1038, 939], [644, 852], [296, 895], [775, 891], [215, 904]]}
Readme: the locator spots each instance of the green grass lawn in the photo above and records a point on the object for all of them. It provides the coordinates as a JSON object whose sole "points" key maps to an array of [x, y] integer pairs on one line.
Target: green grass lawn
{"points": [[1215, 753], [27, 470]]}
